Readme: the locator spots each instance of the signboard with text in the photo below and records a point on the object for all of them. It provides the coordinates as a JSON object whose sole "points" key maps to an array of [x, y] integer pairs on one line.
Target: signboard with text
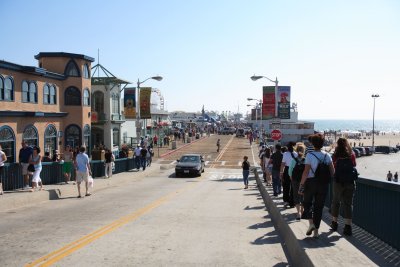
{"points": [[283, 102], [268, 104]]}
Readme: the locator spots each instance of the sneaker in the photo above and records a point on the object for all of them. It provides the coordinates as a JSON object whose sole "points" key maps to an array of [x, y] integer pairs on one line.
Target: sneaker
{"points": [[311, 228], [26, 187], [334, 225], [316, 234], [347, 230]]}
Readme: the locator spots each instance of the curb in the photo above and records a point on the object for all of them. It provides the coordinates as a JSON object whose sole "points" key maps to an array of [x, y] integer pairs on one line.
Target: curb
{"points": [[296, 253]]}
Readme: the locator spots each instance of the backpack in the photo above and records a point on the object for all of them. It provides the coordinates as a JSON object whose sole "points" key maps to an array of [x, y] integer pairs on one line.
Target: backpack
{"points": [[345, 172], [298, 169], [322, 173]]}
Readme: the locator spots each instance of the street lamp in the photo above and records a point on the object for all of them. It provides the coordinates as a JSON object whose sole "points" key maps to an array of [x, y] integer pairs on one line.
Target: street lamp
{"points": [[374, 96], [255, 78], [259, 104], [138, 126]]}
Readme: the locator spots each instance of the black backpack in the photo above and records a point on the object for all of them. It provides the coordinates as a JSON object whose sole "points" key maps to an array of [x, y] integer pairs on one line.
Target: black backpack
{"points": [[298, 170], [345, 172], [322, 173]]}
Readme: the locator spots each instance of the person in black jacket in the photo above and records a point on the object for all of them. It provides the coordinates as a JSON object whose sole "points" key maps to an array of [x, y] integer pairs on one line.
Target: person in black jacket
{"points": [[246, 171]]}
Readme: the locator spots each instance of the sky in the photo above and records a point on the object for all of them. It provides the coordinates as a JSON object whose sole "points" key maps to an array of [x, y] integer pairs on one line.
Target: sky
{"points": [[333, 54]]}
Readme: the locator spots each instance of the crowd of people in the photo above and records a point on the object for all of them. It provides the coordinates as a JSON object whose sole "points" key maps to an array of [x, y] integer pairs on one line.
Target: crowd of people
{"points": [[303, 172]]}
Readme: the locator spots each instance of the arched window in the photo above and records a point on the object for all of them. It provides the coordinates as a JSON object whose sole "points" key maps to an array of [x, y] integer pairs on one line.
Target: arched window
{"points": [[73, 136], [8, 89], [25, 92], [46, 94], [50, 138], [29, 92], [72, 69], [53, 99], [86, 138], [86, 97], [1, 88], [98, 102], [7, 142], [115, 103], [86, 72], [72, 96], [116, 137], [32, 92], [30, 136]]}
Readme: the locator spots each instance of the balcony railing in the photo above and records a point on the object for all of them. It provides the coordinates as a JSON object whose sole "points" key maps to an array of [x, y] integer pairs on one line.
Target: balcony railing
{"points": [[117, 117]]}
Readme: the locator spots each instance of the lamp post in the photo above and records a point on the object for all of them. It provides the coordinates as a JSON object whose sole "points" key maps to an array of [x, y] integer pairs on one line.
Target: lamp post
{"points": [[138, 126], [258, 105], [255, 78], [374, 96]]}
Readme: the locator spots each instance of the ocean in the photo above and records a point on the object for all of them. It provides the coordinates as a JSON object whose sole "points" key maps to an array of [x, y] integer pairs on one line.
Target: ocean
{"points": [[357, 125]]}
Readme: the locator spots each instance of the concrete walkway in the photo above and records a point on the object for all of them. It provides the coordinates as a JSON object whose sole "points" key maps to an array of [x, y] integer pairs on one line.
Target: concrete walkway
{"points": [[331, 248]]}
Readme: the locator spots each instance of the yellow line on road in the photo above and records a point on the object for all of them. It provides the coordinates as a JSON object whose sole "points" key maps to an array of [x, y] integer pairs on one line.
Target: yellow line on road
{"points": [[222, 152], [67, 250]]}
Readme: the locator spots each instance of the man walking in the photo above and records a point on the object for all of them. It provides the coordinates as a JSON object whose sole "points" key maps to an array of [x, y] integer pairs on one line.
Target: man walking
{"points": [[276, 161], [137, 156], [83, 171], [25, 154]]}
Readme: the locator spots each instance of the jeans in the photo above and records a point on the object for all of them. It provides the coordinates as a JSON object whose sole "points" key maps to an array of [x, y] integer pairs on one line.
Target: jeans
{"points": [[137, 162], [108, 169], [276, 182], [246, 177], [314, 200], [343, 195], [143, 162]]}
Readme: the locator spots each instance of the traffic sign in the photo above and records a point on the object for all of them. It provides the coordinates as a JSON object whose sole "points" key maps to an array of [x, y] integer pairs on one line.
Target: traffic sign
{"points": [[276, 135]]}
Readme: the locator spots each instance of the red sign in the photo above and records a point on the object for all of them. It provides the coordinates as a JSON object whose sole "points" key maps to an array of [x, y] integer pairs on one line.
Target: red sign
{"points": [[276, 135]]}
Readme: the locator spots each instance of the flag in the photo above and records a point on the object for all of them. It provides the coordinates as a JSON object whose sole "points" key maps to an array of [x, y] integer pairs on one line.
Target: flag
{"points": [[145, 95], [130, 103]]}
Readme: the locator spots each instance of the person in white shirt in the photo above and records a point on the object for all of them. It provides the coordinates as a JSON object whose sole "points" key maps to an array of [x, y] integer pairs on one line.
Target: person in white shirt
{"points": [[313, 189], [288, 156]]}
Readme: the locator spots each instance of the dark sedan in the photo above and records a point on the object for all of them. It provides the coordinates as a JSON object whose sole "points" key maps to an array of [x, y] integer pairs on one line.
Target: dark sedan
{"points": [[189, 164]]}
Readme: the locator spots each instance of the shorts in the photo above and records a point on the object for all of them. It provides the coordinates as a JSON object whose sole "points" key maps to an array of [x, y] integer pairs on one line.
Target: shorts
{"points": [[67, 167], [81, 176], [25, 169]]}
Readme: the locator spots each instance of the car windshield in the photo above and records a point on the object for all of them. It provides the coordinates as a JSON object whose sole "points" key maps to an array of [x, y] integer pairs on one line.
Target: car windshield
{"points": [[190, 159]]}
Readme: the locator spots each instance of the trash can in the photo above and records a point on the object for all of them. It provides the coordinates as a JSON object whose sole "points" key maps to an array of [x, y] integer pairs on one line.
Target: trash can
{"points": [[173, 146]]}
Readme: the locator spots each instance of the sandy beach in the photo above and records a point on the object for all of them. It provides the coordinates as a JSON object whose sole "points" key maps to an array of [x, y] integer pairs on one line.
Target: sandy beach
{"points": [[388, 139]]}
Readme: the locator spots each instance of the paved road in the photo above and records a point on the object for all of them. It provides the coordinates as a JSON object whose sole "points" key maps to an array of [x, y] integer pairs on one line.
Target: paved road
{"points": [[158, 220]]}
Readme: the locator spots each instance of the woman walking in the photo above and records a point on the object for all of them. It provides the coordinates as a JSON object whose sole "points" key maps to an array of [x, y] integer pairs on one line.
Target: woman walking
{"points": [[3, 158], [67, 167], [36, 160], [296, 169], [343, 185], [314, 187], [267, 166], [246, 171]]}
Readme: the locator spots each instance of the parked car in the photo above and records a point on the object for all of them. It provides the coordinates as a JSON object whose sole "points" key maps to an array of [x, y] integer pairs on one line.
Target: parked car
{"points": [[394, 149], [225, 130], [382, 149], [368, 151], [362, 150], [357, 152], [232, 130], [190, 164], [240, 132]]}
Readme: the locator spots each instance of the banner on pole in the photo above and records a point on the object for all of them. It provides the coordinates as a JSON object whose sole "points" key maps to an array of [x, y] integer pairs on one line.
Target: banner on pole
{"points": [[284, 102], [145, 95], [130, 103], [268, 106]]}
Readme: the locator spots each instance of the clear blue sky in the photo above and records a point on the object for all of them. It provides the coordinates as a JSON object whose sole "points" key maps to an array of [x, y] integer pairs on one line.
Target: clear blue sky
{"points": [[334, 54]]}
